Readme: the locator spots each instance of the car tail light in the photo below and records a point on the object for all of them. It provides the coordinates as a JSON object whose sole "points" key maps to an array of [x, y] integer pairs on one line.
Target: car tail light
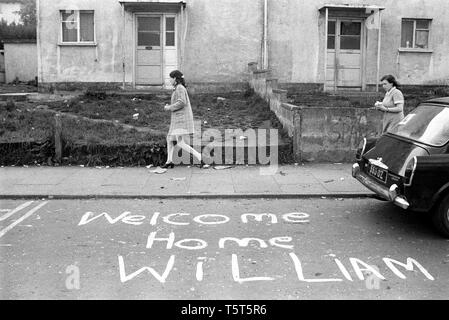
{"points": [[361, 149], [410, 171]]}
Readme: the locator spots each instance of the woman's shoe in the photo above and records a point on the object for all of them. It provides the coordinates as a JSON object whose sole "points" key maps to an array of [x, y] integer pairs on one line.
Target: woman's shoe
{"points": [[168, 165], [204, 165]]}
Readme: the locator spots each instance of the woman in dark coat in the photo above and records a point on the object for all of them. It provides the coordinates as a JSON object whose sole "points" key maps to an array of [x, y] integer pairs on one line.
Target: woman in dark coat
{"points": [[181, 124]]}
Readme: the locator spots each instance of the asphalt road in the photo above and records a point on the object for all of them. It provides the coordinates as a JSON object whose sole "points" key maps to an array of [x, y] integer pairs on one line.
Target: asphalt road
{"points": [[219, 249]]}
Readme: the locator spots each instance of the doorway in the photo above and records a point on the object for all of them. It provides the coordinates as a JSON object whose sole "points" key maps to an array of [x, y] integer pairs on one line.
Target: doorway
{"points": [[344, 54], [156, 49]]}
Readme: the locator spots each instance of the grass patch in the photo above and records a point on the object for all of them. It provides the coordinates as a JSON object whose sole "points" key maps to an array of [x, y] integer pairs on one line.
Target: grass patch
{"points": [[99, 129]]}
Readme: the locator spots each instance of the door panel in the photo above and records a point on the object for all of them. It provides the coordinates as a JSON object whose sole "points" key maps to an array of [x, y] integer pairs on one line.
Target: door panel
{"points": [[346, 76], [148, 57], [349, 60], [148, 75]]}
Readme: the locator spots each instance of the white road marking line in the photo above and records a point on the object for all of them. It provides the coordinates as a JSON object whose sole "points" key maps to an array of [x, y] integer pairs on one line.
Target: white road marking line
{"points": [[29, 213], [7, 215]]}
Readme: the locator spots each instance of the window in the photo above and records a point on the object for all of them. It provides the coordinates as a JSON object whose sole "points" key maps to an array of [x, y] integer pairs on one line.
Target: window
{"points": [[350, 35], [170, 31], [331, 34], [149, 31], [345, 34], [415, 33], [77, 26], [426, 124]]}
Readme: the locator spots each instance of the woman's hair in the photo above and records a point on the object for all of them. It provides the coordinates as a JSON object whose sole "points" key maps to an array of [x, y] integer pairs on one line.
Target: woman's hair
{"points": [[178, 76], [391, 79]]}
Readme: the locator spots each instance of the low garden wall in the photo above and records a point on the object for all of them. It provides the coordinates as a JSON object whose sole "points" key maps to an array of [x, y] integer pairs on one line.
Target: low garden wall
{"points": [[320, 134]]}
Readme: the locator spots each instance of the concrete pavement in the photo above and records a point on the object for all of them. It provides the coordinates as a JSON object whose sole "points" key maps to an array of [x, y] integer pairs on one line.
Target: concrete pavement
{"points": [[289, 181]]}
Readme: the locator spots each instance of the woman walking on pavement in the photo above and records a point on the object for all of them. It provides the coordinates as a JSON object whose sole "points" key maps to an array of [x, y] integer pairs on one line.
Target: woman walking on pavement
{"points": [[181, 124], [392, 104]]}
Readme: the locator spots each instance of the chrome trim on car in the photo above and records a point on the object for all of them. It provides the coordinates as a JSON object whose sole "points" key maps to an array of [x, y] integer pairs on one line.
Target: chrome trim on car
{"points": [[355, 169], [391, 194], [363, 149], [397, 199], [370, 184], [393, 191], [409, 183], [400, 201], [378, 162]]}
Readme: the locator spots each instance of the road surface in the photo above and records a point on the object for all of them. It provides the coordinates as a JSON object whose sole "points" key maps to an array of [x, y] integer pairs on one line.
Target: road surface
{"points": [[219, 249]]}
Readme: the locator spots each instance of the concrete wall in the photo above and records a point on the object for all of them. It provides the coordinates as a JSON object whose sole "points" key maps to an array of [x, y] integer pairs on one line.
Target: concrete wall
{"points": [[333, 134], [20, 61], [319, 134], [8, 12]]}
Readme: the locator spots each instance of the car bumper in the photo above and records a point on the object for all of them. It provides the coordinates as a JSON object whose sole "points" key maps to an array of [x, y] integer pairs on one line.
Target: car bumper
{"points": [[391, 194]]}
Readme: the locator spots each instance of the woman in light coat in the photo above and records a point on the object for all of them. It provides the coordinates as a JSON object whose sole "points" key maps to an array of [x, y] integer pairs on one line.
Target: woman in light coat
{"points": [[181, 124]]}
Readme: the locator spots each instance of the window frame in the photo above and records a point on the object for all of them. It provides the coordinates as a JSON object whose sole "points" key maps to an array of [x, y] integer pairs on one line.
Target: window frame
{"points": [[174, 31], [78, 35], [415, 29]]}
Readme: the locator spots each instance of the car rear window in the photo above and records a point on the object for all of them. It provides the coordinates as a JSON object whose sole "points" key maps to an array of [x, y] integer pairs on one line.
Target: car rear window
{"points": [[427, 123]]}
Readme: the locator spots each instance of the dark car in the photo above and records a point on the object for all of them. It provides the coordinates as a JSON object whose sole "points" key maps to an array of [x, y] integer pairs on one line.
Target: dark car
{"points": [[409, 165]]}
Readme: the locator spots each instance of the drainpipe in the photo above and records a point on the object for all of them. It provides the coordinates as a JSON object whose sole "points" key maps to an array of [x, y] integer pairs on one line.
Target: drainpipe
{"points": [[123, 44], [38, 45], [379, 41], [185, 22], [265, 35]]}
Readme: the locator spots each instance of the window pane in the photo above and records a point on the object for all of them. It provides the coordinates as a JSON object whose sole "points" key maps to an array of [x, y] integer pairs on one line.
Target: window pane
{"points": [[68, 15], [350, 28], [87, 26], [170, 39], [331, 42], [407, 34], [149, 24], [170, 24], [427, 124], [149, 39], [69, 32], [331, 27], [422, 39], [422, 24], [350, 42]]}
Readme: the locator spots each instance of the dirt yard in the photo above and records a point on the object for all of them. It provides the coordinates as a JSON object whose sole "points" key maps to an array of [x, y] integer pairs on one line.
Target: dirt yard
{"points": [[96, 127]]}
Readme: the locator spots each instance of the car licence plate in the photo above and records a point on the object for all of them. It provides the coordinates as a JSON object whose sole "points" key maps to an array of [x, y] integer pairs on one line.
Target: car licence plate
{"points": [[378, 173]]}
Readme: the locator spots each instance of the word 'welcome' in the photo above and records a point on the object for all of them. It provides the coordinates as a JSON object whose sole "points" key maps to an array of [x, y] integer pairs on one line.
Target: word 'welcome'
{"points": [[185, 219]]}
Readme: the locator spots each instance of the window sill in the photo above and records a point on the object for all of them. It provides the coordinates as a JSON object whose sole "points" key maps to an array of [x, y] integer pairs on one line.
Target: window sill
{"points": [[415, 50], [77, 44]]}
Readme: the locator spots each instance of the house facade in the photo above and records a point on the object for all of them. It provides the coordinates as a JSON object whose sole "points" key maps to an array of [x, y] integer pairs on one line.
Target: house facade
{"points": [[340, 45]]}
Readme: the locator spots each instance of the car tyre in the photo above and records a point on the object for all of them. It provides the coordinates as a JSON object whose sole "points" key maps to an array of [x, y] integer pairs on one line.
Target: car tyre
{"points": [[440, 217]]}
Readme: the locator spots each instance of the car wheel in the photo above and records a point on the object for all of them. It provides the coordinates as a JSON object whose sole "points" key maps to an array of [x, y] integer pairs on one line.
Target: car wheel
{"points": [[441, 216]]}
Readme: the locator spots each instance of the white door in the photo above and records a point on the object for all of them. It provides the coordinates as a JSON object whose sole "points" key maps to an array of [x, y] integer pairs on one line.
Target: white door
{"points": [[149, 50], [344, 54], [156, 54]]}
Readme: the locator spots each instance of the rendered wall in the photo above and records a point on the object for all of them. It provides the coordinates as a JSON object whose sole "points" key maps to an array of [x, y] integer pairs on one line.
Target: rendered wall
{"points": [[218, 38], [100, 63], [20, 62], [296, 41]]}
